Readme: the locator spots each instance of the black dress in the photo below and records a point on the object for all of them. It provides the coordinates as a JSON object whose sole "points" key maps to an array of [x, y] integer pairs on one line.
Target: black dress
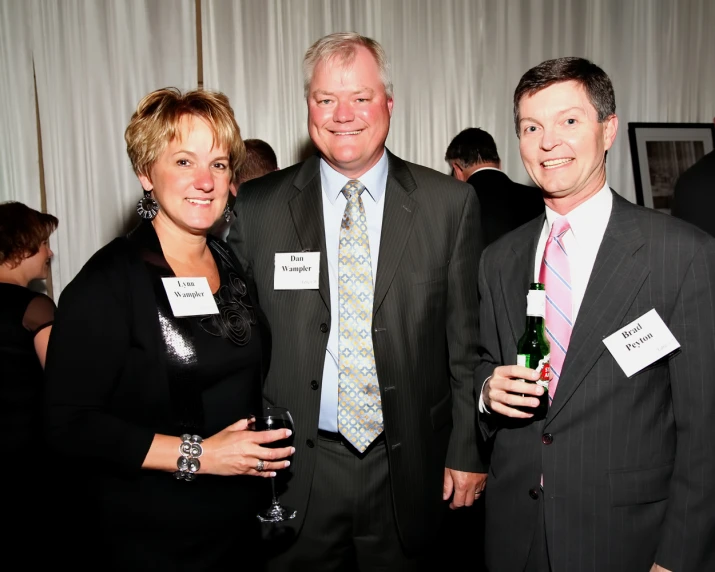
{"points": [[23, 313], [194, 375]]}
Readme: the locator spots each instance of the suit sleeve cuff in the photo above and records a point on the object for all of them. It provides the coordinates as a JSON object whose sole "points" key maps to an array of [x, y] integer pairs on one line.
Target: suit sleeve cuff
{"points": [[482, 406]]}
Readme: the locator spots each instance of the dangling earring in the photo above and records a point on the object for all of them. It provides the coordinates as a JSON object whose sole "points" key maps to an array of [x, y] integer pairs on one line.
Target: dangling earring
{"points": [[147, 207], [227, 213]]}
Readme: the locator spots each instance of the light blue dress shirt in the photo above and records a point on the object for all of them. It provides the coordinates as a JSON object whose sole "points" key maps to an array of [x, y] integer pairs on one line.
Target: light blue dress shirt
{"points": [[334, 202]]}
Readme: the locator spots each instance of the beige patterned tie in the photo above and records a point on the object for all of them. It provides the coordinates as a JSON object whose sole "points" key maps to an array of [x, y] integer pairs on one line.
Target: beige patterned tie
{"points": [[359, 408]]}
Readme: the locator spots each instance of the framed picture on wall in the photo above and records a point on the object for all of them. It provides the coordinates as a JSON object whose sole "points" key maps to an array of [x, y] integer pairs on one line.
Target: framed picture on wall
{"points": [[660, 153]]}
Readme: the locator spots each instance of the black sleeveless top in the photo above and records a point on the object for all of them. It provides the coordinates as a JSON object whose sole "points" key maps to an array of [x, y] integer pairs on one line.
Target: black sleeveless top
{"points": [[23, 313]]}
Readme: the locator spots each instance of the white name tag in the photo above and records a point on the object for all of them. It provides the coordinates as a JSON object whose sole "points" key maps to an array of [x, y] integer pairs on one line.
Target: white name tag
{"points": [[641, 343], [190, 296], [297, 271]]}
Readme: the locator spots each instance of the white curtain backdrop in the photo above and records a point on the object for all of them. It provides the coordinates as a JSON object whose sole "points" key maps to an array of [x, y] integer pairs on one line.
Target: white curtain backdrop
{"points": [[455, 65], [94, 61], [19, 158]]}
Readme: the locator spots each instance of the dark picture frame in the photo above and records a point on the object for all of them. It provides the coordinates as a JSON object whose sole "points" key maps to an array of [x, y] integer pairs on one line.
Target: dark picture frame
{"points": [[660, 153]]}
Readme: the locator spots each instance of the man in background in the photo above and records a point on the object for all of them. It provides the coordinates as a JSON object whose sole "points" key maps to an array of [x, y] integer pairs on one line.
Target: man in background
{"points": [[506, 205], [694, 195], [618, 476], [260, 160], [374, 358]]}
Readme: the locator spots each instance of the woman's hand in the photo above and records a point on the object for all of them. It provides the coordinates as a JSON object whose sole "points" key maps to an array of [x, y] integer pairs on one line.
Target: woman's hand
{"points": [[237, 450]]}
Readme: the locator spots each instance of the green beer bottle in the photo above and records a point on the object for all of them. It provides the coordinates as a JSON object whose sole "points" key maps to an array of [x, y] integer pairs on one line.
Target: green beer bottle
{"points": [[533, 348]]}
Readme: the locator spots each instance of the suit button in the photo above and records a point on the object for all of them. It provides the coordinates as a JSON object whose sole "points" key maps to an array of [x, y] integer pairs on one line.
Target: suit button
{"points": [[547, 438], [313, 384], [323, 327], [310, 443], [534, 494]]}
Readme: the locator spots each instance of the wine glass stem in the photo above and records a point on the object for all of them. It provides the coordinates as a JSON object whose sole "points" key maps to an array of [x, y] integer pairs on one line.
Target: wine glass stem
{"points": [[273, 490]]}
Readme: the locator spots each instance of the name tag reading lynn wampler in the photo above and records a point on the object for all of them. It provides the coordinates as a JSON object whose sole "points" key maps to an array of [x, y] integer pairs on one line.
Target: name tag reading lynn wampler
{"points": [[190, 296], [296, 271]]}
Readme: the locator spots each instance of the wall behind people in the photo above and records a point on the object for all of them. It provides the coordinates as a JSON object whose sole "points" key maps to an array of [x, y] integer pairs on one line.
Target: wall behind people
{"points": [[455, 64], [92, 62]]}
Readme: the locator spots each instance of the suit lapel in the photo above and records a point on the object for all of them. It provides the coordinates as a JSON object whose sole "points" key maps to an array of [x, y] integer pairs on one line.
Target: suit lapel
{"points": [[615, 281], [397, 220], [306, 208], [516, 274]]}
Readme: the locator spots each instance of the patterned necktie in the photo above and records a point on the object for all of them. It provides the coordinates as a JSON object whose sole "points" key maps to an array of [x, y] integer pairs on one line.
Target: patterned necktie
{"points": [[555, 274], [359, 408]]}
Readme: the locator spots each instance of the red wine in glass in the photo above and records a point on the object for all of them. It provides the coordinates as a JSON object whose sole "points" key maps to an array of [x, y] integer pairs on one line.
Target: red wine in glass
{"points": [[269, 419]]}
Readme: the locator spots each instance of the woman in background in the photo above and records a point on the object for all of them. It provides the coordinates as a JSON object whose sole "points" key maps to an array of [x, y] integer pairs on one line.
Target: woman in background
{"points": [[26, 319], [155, 363]]}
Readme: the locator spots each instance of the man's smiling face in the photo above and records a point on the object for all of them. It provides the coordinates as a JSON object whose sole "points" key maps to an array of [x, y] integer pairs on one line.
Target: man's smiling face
{"points": [[349, 113], [562, 143]]}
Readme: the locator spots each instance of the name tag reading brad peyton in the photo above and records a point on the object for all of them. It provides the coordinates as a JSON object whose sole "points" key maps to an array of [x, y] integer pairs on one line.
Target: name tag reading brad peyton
{"points": [[641, 343], [190, 296], [297, 271]]}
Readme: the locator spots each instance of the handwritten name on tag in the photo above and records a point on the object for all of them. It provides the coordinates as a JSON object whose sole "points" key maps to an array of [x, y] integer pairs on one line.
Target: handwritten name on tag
{"points": [[296, 271], [190, 296], [640, 343]]}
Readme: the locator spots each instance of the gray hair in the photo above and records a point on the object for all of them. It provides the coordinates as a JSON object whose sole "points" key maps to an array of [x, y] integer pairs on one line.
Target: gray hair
{"points": [[342, 45]]}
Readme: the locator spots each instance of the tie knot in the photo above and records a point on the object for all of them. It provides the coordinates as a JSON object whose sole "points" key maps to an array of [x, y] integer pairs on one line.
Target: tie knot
{"points": [[353, 188], [559, 227]]}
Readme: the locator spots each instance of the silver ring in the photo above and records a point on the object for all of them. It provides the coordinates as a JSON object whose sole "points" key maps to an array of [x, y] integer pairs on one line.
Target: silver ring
{"points": [[260, 465]]}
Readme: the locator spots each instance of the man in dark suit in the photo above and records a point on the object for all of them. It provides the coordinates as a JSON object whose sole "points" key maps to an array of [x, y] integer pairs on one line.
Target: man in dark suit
{"points": [[694, 195], [505, 205], [618, 476], [260, 160], [385, 426]]}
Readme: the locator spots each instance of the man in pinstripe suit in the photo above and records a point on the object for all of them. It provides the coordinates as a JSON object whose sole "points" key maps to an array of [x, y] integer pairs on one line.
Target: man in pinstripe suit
{"points": [[377, 509], [619, 476]]}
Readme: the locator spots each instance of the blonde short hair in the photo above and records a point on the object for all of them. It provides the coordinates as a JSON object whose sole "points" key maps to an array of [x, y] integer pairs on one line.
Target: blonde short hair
{"points": [[157, 119], [343, 46]]}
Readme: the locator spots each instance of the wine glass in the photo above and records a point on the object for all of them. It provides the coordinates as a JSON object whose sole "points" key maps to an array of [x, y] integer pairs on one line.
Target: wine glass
{"points": [[275, 418]]}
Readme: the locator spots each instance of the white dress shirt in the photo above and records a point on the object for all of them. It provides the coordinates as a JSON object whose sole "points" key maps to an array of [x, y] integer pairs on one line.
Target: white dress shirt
{"points": [[334, 202], [588, 223]]}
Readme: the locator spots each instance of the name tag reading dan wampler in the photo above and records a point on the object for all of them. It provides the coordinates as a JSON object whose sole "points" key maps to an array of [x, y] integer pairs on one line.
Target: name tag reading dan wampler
{"points": [[190, 296], [297, 271], [641, 343]]}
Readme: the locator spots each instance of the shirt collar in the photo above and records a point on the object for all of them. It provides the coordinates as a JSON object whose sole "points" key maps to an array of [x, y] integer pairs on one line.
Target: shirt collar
{"points": [[587, 217], [375, 180]]}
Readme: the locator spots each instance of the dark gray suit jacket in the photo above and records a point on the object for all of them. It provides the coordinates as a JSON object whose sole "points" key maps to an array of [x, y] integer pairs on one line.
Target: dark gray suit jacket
{"points": [[424, 325], [505, 205], [629, 463], [694, 195]]}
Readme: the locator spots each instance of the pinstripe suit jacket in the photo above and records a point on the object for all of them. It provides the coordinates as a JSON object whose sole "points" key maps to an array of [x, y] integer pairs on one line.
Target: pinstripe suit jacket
{"points": [[424, 325], [630, 472]]}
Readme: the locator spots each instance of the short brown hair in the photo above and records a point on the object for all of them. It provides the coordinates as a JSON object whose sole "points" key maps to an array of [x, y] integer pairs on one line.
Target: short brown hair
{"points": [[260, 160], [594, 80], [343, 45], [157, 119], [472, 146], [22, 231]]}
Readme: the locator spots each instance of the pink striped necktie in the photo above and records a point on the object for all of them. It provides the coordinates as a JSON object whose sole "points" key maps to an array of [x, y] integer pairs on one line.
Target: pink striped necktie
{"points": [[555, 274]]}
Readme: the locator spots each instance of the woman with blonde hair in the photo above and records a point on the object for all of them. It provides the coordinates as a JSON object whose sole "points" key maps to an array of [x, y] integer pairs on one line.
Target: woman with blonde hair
{"points": [[173, 348]]}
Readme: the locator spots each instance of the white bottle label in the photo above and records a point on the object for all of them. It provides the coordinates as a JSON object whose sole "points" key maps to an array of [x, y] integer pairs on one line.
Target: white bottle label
{"points": [[536, 303]]}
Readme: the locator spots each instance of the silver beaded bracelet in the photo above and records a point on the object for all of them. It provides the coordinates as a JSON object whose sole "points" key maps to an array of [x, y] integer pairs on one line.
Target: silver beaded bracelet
{"points": [[188, 462]]}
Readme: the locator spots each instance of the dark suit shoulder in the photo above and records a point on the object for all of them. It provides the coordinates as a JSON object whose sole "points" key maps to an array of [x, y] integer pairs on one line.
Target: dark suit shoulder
{"points": [[661, 226], [505, 245], [432, 185], [703, 167], [270, 184], [108, 268]]}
